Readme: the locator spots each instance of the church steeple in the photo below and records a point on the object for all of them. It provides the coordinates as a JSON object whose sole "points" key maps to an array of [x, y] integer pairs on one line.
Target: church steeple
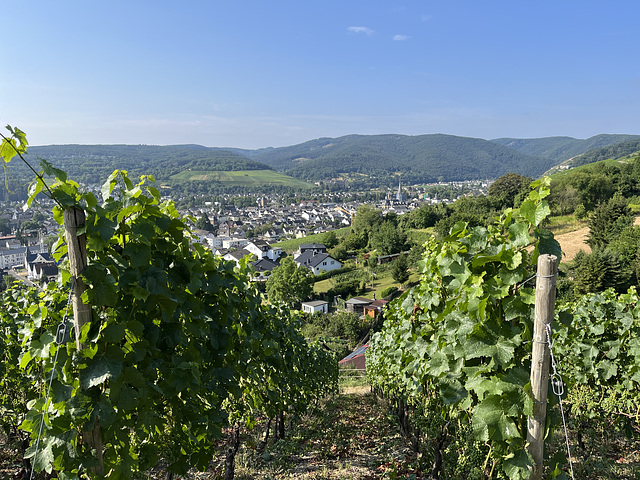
{"points": [[399, 195]]}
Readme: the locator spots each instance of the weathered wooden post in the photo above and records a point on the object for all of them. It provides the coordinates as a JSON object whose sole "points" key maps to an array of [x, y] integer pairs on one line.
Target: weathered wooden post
{"points": [[544, 311], [74, 219]]}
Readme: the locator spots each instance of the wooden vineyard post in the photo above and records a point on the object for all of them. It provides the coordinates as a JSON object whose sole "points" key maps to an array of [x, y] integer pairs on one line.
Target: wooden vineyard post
{"points": [[544, 311], [74, 218]]}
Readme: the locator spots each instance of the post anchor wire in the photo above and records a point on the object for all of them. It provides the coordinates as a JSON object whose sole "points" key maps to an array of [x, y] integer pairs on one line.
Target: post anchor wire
{"points": [[62, 336]]}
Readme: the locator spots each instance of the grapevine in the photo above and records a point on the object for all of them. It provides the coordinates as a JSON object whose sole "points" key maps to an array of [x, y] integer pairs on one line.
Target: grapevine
{"points": [[463, 333], [179, 346]]}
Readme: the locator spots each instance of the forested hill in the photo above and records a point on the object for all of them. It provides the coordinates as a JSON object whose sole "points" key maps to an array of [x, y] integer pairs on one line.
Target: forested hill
{"points": [[421, 158], [363, 160], [612, 151], [94, 163], [559, 149]]}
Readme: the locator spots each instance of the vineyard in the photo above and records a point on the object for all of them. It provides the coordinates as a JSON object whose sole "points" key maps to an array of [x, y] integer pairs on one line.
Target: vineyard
{"points": [[455, 353], [177, 347], [174, 359]]}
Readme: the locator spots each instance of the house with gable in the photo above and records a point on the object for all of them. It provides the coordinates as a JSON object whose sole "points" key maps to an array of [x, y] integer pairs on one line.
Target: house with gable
{"points": [[314, 248], [40, 264], [38, 271], [317, 262], [237, 255], [261, 249]]}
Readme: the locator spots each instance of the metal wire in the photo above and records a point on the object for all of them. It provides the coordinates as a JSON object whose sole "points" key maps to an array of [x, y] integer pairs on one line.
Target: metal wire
{"points": [[557, 385], [61, 337], [535, 275]]}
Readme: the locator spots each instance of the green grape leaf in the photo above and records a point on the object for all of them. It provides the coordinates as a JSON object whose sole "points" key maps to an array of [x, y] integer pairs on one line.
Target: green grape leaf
{"points": [[99, 370], [519, 234], [517, 465]]}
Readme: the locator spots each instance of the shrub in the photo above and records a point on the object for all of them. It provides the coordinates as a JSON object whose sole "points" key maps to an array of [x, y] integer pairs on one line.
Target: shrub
{"points": [[388, 291]]}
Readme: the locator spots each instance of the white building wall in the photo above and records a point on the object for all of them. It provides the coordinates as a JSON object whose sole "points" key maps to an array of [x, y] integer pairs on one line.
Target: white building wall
{"points": [[235, 243]]}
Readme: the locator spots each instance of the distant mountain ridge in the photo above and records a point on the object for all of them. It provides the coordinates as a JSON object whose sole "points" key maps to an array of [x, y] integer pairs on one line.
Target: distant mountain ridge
{"points": [[560, 149], [363, 160], [382, 158], [94, 163], [616, 151]]}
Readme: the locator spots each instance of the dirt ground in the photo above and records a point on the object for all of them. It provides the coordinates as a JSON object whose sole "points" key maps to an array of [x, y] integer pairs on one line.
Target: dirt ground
{"points": [[572, 242]]}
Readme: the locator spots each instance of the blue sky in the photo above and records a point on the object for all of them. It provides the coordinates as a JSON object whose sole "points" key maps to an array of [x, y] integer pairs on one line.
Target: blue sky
{"points": [[272, 73]]}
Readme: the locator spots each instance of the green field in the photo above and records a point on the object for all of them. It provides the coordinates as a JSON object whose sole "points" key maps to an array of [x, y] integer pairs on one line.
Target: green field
{"points": [[420, 236], [240, 178], [293, 244]]}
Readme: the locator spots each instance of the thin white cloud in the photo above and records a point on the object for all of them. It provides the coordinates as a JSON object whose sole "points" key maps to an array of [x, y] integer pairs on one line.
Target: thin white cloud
{"points": [[400, 38], [365, 30], [426, 18]]}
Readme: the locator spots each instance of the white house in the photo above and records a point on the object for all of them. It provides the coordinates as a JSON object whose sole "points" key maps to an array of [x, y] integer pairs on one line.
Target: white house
{"points": [[12, 257], [262, 249], [318, 263], [36, 271], [236, 255], [315, 306], [235, 243]]}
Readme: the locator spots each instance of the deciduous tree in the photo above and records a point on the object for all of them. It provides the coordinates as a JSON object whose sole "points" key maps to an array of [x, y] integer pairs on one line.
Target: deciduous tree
{"points": [[366, 219], [509, 188], [388, 239], [289, 283], [204, 223]]}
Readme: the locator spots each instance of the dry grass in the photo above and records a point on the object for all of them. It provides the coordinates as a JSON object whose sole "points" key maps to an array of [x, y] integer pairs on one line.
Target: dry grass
{"points": [[572, 242], [572, 237]]}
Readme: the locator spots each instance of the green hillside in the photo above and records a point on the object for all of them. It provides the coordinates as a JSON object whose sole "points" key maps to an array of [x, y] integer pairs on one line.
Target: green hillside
{"points": [[559, 149], [247, 178], [617, 151], [421, 158], [170, 165], [93, 163], [362, 161]]}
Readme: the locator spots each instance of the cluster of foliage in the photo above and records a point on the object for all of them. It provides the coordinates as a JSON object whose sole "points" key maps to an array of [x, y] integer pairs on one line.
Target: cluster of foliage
{"points": [[456, 343], [598, 340], [289, 283], [388, 291], [506, 192], [372, 231], [583, 189], [455, 350], [341, 331], [602, 193], [597, 347], [180, 344]]}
